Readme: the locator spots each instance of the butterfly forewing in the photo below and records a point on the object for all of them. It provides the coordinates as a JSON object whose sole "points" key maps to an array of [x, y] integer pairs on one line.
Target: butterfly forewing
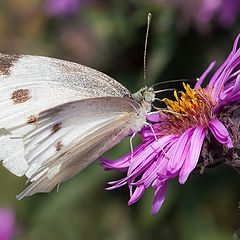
{"points": [[31, 84]]}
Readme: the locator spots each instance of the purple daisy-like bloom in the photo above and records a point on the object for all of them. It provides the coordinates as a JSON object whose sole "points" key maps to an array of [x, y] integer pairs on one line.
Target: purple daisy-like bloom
{"points": [[7, 224], [62, 7], [181, 133]]}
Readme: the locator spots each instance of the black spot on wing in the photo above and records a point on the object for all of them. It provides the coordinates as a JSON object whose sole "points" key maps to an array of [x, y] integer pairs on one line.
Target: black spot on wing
{"points": [[20, 96], [32, 119], [56, 127], [6, 62], [58, 146]]}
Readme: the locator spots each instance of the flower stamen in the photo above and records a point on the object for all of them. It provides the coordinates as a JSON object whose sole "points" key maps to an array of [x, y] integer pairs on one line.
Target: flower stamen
{"points": [[191, 107]]}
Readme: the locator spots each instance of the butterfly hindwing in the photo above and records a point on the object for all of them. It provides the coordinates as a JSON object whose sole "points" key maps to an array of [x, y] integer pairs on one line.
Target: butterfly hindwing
{"points": [[86, 129]]}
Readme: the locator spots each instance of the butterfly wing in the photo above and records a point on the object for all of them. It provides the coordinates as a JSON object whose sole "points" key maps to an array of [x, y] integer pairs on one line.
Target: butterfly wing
{"points": [[85, 130], [32, 84]]}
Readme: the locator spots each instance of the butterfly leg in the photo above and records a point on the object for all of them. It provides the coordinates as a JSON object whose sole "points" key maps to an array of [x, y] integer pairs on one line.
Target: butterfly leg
{"points": [[58, 186], [131, 148], [155, 136], [131, 158], [131, 144]]}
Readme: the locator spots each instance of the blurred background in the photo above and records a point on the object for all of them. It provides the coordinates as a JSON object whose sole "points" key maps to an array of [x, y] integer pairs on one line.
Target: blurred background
{"points": [[108, 35]]}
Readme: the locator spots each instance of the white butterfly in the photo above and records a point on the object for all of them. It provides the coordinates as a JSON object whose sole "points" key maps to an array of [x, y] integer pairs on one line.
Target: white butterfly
{"points": [[57, 117]]}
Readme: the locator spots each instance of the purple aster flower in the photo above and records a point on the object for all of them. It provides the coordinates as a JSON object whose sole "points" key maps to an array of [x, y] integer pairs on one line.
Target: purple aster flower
{"points": [[7, 224], [62, 7], [196, 115]]}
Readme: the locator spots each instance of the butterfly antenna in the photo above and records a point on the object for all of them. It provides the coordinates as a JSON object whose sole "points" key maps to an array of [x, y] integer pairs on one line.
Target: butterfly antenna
{"points": [[175, 80], [149, 17], [165, 90]]}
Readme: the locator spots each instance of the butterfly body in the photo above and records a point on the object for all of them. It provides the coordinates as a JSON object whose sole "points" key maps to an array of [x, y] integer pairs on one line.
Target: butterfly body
{"points": [[57, 117]]}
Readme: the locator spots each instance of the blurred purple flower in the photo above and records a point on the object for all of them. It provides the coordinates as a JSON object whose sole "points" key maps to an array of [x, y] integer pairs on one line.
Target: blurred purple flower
{"points": [[62, 7], [7, 224], [201, 12], [181, 132], [224, 12]]}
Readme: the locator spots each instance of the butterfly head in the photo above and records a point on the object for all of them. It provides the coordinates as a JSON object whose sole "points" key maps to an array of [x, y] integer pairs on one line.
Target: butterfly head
{"points": [[144, 95]]}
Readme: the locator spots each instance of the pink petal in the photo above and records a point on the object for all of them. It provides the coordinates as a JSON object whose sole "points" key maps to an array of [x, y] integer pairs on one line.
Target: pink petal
{"points": [[136, 195], [178, 151], [220, 132], [150, 152], [190, 163], [218, 80], [122, 163], [157, 168], [159, 198], [153, 117], [148, 133], [204, 75]]}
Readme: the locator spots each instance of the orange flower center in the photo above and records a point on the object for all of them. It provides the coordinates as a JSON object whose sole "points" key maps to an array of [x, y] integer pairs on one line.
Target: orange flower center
{"points": [[192, 107]]}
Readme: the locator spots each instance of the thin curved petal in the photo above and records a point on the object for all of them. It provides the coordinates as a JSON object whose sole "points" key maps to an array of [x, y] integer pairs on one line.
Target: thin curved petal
{"points": [[151, 151], [179, 151], [230, 94], [190, 163], [136, 195], [159, 198], [204, 75], [219, 78], [220, 132], [122, 163]]}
